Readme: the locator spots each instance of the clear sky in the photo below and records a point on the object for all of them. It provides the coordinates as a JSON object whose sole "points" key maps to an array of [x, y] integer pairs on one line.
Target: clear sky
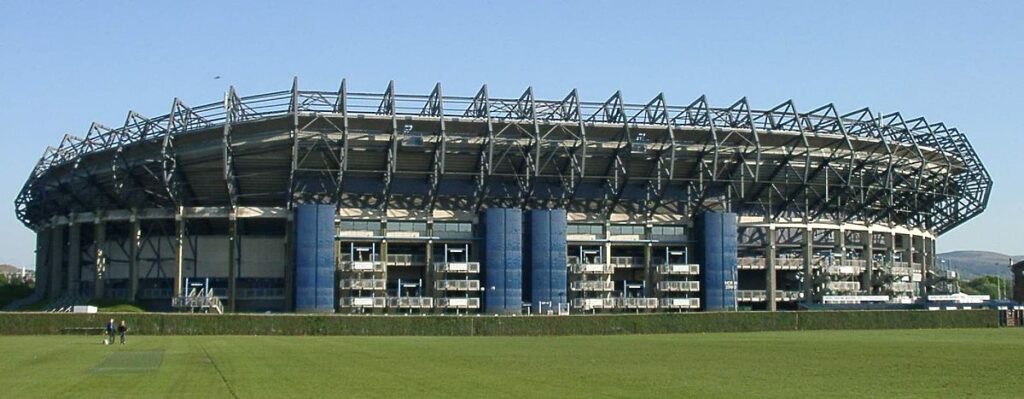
{"points": [[66, 64]]}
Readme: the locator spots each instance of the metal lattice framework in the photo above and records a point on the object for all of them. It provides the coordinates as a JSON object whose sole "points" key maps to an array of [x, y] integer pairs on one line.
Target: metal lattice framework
{"points": [[429, 152]]}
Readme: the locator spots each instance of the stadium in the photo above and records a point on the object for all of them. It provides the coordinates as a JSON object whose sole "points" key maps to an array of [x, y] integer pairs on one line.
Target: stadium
{"points": [[358, 202]]}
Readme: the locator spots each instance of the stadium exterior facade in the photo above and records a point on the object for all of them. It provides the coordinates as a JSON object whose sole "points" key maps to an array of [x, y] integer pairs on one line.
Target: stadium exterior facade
{"points": [[382, 202]]}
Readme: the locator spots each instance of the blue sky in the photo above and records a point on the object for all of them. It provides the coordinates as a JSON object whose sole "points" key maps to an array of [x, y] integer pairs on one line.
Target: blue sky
{"points": [[66, 64]]}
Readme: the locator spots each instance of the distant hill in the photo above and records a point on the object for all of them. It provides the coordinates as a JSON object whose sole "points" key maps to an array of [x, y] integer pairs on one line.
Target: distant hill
{"points": [[971, 264], [5, 268]]}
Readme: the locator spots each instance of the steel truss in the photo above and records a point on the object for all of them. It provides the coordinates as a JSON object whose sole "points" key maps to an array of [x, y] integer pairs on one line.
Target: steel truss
{"points": [[428, 152]]}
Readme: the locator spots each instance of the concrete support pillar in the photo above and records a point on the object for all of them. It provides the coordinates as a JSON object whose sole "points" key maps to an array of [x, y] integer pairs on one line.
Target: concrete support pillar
{"points": [[921, 249], [808, 255], [384, 257], [100, 242], [232, 261], [908, 249], [289, 269], [770, 276], [74, 259], [134, 239], [43, 240], [428, 273], [890, 250], [179, 252], [839, 249], [56, 261], [868, 254], [648, 269]]}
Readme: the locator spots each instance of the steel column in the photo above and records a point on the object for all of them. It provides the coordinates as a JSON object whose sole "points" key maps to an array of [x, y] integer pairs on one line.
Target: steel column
{"points": [[56, 260], [179, 252], [74, 259], [770, 277]]}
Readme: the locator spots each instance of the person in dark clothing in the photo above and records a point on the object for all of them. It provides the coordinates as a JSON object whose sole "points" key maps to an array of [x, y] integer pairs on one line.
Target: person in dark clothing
{"points": [[110, 331], [122, 330]]}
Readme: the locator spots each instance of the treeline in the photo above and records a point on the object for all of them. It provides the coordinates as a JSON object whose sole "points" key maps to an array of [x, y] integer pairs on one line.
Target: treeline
{"points": [[14, 289], [993, 286]]}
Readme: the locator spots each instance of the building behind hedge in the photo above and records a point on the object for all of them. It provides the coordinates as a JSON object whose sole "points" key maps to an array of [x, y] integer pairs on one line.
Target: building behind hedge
{"points": [[346, 201]]}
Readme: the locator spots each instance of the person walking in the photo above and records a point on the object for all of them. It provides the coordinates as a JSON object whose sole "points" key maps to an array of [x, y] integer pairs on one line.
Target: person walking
{"points": [[110, 333], [122, 330]]}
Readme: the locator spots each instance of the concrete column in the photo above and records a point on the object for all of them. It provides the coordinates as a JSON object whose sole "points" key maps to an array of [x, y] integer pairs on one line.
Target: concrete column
{"points": [[179, 252], [56, 260], [920, 246], [428, 273], [232, 261], [839, 249], [890, 249], [43, 239], [74, 258], [289, 269], [100, 242], [808, 255], [908, 249], [135, 235], [648, 268], [867, 239], [769, 262]]}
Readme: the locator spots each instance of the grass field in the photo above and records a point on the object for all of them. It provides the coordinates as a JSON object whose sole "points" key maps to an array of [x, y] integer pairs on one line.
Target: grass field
{"points": [[894, 363]]}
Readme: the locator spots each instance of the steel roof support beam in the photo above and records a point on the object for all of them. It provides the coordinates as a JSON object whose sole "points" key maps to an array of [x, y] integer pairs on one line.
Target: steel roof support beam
{"points": [[481, 108], [435, 107]]}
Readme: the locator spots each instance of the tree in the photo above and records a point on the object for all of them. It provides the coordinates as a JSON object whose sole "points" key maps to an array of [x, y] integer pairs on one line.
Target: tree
{"points": [[987, 285]]}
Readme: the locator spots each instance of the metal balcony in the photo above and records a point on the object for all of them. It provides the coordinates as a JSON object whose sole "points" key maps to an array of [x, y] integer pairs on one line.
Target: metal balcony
{"points": [[457, 285], [844, 270], [679, 286], [364, 302], [626, 261], [680, 303], [362, 266], [592, 269], [411, 302], [843, 286], [593, 303], [679, 269], [457, 267], [363, 284], [458, 303], [594, 286], [636, 303], [762, 296], [405, 260]]}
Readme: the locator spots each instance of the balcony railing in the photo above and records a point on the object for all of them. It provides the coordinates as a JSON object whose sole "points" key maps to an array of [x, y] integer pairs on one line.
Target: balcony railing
{"points": [[847, 270], [411, 302], [843, 286], [458, 303], [457, 285], [363, 284], [626, 261], [761, 296], [679, 269], [593, 303], [364, 302], [592, 269], [679, 286], [680, 303], [457, 267], [636, 303], [592, 286], [405, 259], [362, 266]]}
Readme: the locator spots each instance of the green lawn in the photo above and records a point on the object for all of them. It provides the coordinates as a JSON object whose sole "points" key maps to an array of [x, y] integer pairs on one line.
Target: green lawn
{"points": [[894, 363]]}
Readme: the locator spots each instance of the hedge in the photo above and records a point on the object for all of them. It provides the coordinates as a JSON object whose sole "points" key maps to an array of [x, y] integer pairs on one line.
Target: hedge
{"points": [[23, 323]]}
